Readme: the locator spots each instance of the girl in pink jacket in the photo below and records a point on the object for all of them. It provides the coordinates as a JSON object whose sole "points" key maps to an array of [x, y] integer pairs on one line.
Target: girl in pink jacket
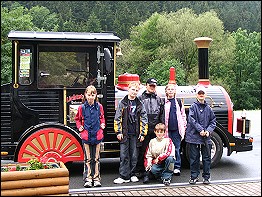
{"points": [[175, 121]]}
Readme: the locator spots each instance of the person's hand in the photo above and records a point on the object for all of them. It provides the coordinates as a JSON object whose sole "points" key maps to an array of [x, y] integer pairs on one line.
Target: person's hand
{"points": [[119, 137], [207, 133], [141, 138], [81, 128], [156, 160], [103, 125], [202, 133]]}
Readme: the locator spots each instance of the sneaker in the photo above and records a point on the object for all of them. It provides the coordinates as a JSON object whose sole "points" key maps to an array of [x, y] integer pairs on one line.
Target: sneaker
{"points": [[177, 172], [88, 184], [119, 180], [97, 184], [193, 180], [134, 179], [166, 182], [206, 181]]}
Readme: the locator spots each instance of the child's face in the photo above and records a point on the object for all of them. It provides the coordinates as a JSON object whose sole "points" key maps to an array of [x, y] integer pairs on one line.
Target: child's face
{"points": [[160, 133], [132, 92], [170, 91], [201, 95], [90, 97]]}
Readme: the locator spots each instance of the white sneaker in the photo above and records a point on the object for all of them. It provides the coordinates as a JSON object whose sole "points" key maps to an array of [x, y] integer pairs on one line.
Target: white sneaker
{"points": [[134, 179], [88, 184], [176, 171], [119, 180], [97, 184]]}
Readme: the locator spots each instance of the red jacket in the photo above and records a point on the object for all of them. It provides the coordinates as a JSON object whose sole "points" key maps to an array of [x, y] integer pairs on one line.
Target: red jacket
{"points": [[92, 133]]}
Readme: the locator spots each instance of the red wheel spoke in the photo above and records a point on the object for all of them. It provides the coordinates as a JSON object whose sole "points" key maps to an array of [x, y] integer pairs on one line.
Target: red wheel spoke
{"points": [[72, 152], [39, 140], [67, 146], [30, 153], [53, 143], [61, 143], [35, 147]]}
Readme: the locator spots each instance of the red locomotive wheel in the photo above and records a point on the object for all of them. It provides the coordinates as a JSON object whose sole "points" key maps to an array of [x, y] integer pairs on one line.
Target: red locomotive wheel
{"points": [[51, 145]]}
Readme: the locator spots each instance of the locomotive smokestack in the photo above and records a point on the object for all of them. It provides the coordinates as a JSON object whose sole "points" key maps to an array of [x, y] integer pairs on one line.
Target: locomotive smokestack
{"points": [[203, 69], [172, 75]]}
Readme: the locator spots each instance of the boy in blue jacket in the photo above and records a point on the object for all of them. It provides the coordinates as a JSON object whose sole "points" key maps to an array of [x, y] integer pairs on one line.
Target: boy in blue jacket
{"points": [[201, 124]]}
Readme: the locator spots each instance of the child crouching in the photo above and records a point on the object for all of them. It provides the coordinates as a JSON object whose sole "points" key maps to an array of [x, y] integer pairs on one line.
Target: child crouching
{"points": [[160, 156]]}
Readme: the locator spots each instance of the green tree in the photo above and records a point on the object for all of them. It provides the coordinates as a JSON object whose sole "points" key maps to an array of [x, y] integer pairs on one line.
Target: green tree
{"points": [[245, 77], [163, 67], [169, 36], [93, 24], [43, 19], [17, 18]]}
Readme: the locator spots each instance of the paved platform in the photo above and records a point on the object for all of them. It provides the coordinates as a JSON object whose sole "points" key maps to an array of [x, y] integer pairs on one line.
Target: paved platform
{"points": [[242, 187]]}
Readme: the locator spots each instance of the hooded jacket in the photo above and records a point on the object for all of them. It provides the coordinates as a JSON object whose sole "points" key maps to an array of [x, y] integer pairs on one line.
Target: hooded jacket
{"points": [[200, 117], [154, 106], [181, 118], [121, 118]]}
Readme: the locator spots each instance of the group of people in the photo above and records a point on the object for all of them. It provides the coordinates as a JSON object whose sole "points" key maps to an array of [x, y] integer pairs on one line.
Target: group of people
{"points": [[150, 130]]}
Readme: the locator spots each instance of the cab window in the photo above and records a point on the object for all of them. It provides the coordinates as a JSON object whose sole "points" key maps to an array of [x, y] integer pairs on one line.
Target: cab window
{"points": [[62, 66]]}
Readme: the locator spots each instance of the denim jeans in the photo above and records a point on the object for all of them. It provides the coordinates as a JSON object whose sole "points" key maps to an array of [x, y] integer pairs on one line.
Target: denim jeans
{"points": [[195, 150], [128, 157], [165, 169], [176, 139]]}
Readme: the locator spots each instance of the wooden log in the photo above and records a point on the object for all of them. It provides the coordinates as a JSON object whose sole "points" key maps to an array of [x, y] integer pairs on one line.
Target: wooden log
{"points": [[38, 191], [34, 183], [35, 174]]}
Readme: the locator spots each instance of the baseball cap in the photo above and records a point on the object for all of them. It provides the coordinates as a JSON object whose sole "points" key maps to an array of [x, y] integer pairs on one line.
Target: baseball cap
{"points": [[201, 88], [152, 81]]}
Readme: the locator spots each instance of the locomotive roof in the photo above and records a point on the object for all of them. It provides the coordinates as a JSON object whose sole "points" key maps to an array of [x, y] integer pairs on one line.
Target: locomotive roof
{"points": [[63, 36]]}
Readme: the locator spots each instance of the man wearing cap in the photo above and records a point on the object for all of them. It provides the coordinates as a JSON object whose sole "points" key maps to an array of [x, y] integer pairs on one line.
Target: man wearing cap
{"points": [[154, 106], [201, 123]]}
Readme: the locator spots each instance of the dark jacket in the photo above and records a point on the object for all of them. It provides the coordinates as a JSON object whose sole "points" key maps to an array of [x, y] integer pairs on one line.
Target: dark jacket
{"points": [[200, 117], [121, 118], [154, 106]]}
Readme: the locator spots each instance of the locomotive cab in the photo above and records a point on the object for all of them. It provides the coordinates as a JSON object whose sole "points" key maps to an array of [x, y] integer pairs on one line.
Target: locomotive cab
{"points": [[50, 71]]}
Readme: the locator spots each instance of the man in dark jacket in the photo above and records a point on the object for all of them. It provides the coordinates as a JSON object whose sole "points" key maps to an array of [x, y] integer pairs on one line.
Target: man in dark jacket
{"points": [[201, 123], [154, 106]]}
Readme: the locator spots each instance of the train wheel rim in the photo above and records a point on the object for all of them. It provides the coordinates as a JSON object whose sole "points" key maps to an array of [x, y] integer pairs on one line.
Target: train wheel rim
{"points": [[51, 145]]}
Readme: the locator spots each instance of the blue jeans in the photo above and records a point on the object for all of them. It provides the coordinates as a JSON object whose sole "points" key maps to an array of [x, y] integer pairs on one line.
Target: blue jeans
{"points": [[128, 157], [195, 160], [176, 139], [164, 170]]}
